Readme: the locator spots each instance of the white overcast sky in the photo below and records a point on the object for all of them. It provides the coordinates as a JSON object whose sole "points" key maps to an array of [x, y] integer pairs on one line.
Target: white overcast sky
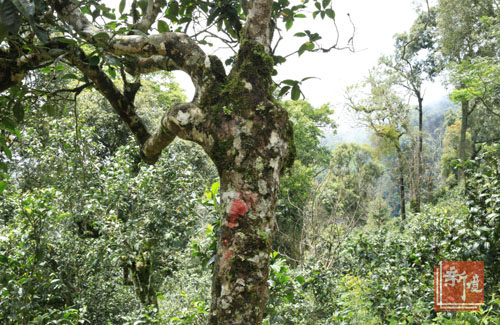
{"points": [[376, 21]]}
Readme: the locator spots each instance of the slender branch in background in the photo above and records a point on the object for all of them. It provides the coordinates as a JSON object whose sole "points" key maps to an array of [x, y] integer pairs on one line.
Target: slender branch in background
{"points": [[414, 39], [152, 11], [350, 42], [76, 90], [118, 101]]}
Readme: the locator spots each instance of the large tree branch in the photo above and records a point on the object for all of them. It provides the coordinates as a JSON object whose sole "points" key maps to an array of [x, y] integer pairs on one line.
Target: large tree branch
{"points": [[138, 65], [10, 73], [167, 51], [120, 103], [152, 148], [258, 27], [180, 52], [185, 120], [13, 70]]}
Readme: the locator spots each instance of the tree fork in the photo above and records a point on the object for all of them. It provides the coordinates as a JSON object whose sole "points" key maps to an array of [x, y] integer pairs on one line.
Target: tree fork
{"points": [[236, 121]]}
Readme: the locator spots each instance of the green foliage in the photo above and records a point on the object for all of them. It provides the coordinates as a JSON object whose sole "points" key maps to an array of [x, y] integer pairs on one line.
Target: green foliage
{"points": [[309, 123], [350, 182], [82, 212], [483, 222], [450, 156], [297, 185], [88, 234], [32, 285]]}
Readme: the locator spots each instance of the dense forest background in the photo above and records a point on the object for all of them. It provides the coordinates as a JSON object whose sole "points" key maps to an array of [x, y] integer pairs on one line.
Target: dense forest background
{"points": [[91, 234]]}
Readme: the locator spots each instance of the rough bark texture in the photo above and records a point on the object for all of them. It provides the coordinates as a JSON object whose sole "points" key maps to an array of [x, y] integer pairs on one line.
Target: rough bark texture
{"points": [[233, 117], [252, 147]]}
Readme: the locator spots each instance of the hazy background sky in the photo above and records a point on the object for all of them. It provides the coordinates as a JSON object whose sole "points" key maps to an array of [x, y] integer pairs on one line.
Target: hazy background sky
{"points": [[375, 24]]}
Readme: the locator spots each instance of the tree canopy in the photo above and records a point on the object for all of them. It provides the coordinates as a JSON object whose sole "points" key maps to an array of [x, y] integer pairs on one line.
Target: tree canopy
{"points": [[123, 201]]}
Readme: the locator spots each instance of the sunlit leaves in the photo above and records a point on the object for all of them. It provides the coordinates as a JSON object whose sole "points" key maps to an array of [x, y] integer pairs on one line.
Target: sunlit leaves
{"points": [[121, 7], [163, 27], [294, 86], [307, 46]]}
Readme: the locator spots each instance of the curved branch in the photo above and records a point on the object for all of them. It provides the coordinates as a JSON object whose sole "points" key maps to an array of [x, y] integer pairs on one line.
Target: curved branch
{"points": [[152, 148], [13, 70], [10, 73], [120, 103], [184, 53], [72, 15], [184, 120], [138, 65]]}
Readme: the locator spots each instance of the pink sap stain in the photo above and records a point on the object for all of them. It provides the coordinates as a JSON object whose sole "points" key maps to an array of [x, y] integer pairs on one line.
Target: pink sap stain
{"points": [[238, 208]]}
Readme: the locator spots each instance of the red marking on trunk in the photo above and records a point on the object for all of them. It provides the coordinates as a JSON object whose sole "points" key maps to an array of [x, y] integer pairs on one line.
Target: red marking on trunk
{"points": [[228, 255], [238, 208]]}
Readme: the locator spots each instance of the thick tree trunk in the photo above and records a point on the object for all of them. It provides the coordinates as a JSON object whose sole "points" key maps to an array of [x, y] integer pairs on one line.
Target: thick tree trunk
{"points": [[253, 144], [239, 288]]}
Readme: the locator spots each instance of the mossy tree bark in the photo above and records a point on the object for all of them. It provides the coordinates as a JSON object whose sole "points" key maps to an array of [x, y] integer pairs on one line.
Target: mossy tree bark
{"points": [[236, 121]]}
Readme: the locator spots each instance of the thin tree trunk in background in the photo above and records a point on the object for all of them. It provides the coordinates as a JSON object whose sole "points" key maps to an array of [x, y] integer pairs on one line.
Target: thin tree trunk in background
{"points": [[462, 152], [417, 179], [141, 278], [420, 167], [401, 185]]}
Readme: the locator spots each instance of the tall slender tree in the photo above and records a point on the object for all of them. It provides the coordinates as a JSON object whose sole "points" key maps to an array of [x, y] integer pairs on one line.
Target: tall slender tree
{"points": [[459, 31], [414, 61], [386, 114]]}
